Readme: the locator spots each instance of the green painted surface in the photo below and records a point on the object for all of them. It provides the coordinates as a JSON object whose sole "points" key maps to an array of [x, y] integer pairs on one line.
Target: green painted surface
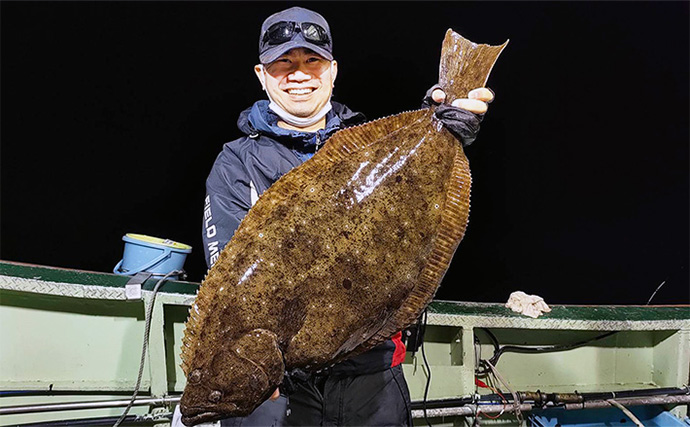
{"points": [[62, 343]]}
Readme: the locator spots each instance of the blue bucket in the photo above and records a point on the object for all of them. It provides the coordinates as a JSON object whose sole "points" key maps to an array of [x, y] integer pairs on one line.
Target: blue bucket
{"points": [[151, 254]]}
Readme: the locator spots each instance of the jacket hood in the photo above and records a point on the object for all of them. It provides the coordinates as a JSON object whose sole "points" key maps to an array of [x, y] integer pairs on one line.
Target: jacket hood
{"points": [[260, 120]]}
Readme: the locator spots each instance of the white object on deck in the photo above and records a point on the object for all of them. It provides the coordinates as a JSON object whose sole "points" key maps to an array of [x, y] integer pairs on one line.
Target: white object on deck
{"points": [[529, 305]]}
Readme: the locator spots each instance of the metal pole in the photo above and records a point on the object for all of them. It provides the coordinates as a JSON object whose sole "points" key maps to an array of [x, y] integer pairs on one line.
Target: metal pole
{"points": [[468, 410], [638, 401], [28, 409], [471, 409]]}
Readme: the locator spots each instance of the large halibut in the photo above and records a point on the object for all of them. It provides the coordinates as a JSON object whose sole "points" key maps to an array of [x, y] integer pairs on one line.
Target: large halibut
{"points": [[337, 256]]}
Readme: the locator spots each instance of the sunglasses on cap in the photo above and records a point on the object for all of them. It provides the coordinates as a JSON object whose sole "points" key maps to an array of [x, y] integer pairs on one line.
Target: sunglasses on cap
{"points": [[284, 31]]}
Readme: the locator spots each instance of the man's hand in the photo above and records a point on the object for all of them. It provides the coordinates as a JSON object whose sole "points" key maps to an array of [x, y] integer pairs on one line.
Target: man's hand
{"points": [[275, 395], [462, 116], [476, 102]]}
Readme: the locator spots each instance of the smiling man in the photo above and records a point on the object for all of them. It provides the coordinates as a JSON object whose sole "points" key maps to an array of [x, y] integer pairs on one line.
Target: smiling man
{"points": [[298, 72], [299, 84]]}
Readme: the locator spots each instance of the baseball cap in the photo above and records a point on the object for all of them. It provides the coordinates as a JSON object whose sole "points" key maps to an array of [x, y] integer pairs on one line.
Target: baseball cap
{"points": [[299, 27]]}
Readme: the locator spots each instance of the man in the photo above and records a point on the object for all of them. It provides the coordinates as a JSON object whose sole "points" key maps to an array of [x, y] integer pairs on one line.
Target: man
{"points": [[298, 72]]}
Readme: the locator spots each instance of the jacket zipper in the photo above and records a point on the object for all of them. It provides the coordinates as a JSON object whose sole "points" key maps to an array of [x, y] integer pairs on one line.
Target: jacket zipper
{"points": [[318, 142]]}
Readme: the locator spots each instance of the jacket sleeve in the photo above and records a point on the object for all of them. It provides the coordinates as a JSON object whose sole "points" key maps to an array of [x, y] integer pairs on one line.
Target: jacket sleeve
{"points": [[228, 199]]}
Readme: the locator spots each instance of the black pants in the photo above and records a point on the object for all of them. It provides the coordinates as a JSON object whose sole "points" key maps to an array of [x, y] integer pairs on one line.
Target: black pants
{"points": [[378, 399], [268, 414]]}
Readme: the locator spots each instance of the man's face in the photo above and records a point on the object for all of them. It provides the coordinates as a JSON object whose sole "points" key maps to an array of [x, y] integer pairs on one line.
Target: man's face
{"points": [[300, 81]]}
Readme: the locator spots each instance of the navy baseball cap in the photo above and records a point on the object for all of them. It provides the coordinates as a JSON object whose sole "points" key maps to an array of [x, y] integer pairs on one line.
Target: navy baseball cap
{"points": [[293, 28]]}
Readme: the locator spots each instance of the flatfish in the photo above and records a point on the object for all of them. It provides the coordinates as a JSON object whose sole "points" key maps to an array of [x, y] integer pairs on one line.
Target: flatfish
{"points": [[337, 256]]}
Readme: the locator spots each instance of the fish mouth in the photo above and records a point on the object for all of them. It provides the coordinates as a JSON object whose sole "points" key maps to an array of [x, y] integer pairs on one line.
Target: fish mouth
{"points": [[193, 417]]}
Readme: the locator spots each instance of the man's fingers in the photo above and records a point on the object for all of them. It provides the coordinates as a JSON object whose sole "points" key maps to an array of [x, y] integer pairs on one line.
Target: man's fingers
{"points": [[275, 395], [473, 105], [482, 94], [475, 102], [438, 96]]}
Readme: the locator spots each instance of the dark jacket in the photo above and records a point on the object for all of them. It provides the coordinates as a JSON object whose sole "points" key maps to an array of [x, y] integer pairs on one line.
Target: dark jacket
{"points": [[247, 167]]}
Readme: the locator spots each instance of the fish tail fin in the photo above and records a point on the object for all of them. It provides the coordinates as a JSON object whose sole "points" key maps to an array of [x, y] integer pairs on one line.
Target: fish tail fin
{"points": [[465, 65]]}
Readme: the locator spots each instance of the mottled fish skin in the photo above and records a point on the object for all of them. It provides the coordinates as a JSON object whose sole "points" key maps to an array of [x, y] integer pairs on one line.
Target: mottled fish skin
{"points": [[335, 257]]}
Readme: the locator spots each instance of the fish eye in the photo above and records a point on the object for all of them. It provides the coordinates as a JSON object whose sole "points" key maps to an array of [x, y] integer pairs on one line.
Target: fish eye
{"points": [[195, 376], [215, 396]]}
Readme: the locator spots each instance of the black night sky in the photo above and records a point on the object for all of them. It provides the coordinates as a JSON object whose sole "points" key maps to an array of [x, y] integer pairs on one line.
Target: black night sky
{"points": [[113, 113]]}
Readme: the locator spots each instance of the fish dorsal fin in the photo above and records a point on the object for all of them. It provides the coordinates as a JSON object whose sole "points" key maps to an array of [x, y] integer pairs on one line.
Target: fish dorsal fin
{"points": [[194, 323], [191, 331], [356, 138]]}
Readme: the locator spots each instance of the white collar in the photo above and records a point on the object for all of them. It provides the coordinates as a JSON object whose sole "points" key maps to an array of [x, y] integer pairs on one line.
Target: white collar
{"points": [[299, 121]]}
